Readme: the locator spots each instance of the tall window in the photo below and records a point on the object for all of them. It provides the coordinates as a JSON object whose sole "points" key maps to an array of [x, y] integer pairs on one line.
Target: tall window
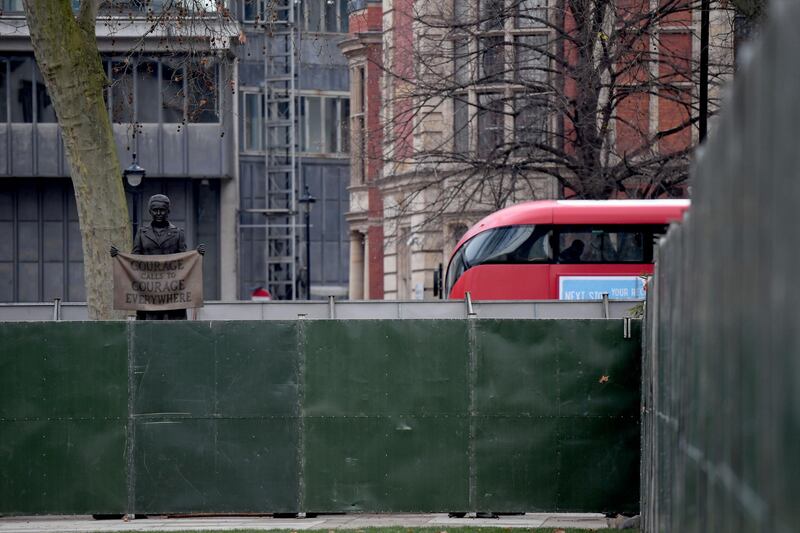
{"points": [[23, 94], [530, 123], [253, 112], [322, 124], [501, 75], [358, 123], [3, 90]]}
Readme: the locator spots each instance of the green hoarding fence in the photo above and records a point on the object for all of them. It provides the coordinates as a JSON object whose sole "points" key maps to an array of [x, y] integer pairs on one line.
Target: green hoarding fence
{"points": [[722, 361], [319, 416]]}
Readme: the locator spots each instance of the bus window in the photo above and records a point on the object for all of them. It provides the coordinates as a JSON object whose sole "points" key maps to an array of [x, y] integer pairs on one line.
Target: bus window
{"points": [[495, 245], [510, 244], [601, 245], [629, 246], [455, 269]]}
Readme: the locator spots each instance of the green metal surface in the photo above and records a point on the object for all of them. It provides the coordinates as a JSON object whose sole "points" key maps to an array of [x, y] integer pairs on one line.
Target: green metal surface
{"points": [[721, 372], [557, 402], [216, 409], [319, 416], [386, 405], [63, 406]]}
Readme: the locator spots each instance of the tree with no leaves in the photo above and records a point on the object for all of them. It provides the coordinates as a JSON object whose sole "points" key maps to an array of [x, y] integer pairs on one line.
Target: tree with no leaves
{"points": [[65, 46], [600, 96]]}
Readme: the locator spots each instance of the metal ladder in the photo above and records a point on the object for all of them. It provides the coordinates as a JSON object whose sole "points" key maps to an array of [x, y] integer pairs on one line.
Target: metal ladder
{"points": [[280, 140]]}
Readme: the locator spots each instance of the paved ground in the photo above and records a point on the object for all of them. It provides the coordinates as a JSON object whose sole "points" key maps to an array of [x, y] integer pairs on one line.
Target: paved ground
{"points": [[68, 524]]}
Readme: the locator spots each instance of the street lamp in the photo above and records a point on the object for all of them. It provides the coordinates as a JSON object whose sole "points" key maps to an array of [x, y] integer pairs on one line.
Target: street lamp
{"points": [[132, 179], [307, 200]]}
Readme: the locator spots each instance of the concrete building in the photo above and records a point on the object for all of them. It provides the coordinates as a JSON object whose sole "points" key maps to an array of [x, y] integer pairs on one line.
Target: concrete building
{"points": [[492, 61], [232, 133]]}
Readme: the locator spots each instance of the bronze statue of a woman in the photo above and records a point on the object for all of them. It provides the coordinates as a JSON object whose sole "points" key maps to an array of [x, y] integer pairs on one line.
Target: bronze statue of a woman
{"points": [[159, 237]]}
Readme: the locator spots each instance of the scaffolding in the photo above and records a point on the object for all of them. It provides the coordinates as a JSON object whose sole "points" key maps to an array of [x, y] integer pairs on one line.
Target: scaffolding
{"points": [[279, 206]]}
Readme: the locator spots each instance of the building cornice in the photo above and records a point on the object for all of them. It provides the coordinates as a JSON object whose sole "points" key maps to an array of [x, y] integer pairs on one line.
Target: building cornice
{"points": [[121, 34], [359, 42], [356, 217]]}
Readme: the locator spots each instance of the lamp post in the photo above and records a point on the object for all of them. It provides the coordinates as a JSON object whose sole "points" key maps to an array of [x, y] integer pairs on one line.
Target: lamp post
{"points": [[132, 180], [704, 31], [307, 200]]}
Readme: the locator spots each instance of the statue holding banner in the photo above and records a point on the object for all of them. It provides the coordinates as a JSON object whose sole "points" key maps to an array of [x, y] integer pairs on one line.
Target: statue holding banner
{"points": [[163, 286]]}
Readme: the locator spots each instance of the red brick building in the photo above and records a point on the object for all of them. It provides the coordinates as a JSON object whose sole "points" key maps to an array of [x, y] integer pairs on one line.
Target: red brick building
{"points": [[364, 49], [494, 62]]}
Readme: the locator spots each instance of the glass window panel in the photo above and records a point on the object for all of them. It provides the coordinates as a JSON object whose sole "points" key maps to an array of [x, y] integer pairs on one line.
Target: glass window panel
{"points": [[493, 246], [330, 126], [511, 244], [147, 92], [490, 124], [530, 123], [253, 11], [172, 93], [601, 245], [362, 90], [455, 269], [344, 125], [628, 246], [203, 5], [3, 91], [278, 110], [122, 91], [531, 13], [461, 61], [118, 6], [492, 59], [107, 88], [45, 113], [344, 16], [253, 122], [532, 62], [331, 24], [314, 121], [301, 122], [460, 126], [461, 11], [362, 148], [201, 80], [9, 6], [21, 90], [492, 14], [122, 6], [314, 9]]}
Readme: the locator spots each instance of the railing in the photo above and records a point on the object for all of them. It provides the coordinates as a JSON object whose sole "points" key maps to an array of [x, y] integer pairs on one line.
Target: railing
{"points": [[351, 310]]}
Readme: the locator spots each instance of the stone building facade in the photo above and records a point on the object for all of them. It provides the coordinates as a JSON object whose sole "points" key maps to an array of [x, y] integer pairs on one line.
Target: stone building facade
{"points": [[408, 201]]}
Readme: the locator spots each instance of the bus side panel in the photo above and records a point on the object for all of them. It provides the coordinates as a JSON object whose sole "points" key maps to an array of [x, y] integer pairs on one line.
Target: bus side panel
{"points": [[505, 282], [556, 271]]}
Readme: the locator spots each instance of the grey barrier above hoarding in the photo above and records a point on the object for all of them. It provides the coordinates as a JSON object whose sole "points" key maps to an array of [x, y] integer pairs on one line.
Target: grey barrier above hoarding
{"points": [[352, 310]]}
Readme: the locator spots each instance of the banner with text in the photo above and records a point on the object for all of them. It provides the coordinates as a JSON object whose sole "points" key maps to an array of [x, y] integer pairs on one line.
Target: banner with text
{"points": [[158, 282]]}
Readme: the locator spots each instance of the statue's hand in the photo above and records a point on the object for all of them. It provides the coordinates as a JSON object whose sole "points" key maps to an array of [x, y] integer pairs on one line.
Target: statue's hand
{"points": [[114, 251], [201, 249]]}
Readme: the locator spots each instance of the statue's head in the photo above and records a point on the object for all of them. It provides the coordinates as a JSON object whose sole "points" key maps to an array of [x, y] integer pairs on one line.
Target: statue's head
{"points": [[158, 205]]}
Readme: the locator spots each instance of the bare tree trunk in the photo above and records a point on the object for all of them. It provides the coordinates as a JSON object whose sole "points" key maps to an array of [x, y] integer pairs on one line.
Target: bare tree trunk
{"points": [[66, 51]]}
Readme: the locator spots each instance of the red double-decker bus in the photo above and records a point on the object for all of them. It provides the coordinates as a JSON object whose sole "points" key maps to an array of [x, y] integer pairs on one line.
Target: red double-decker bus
{"points": [[561, 249]]}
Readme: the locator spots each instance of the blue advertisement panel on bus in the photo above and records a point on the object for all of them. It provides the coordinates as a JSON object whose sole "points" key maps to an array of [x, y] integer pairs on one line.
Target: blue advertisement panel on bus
{"points": [[593, 287]]}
